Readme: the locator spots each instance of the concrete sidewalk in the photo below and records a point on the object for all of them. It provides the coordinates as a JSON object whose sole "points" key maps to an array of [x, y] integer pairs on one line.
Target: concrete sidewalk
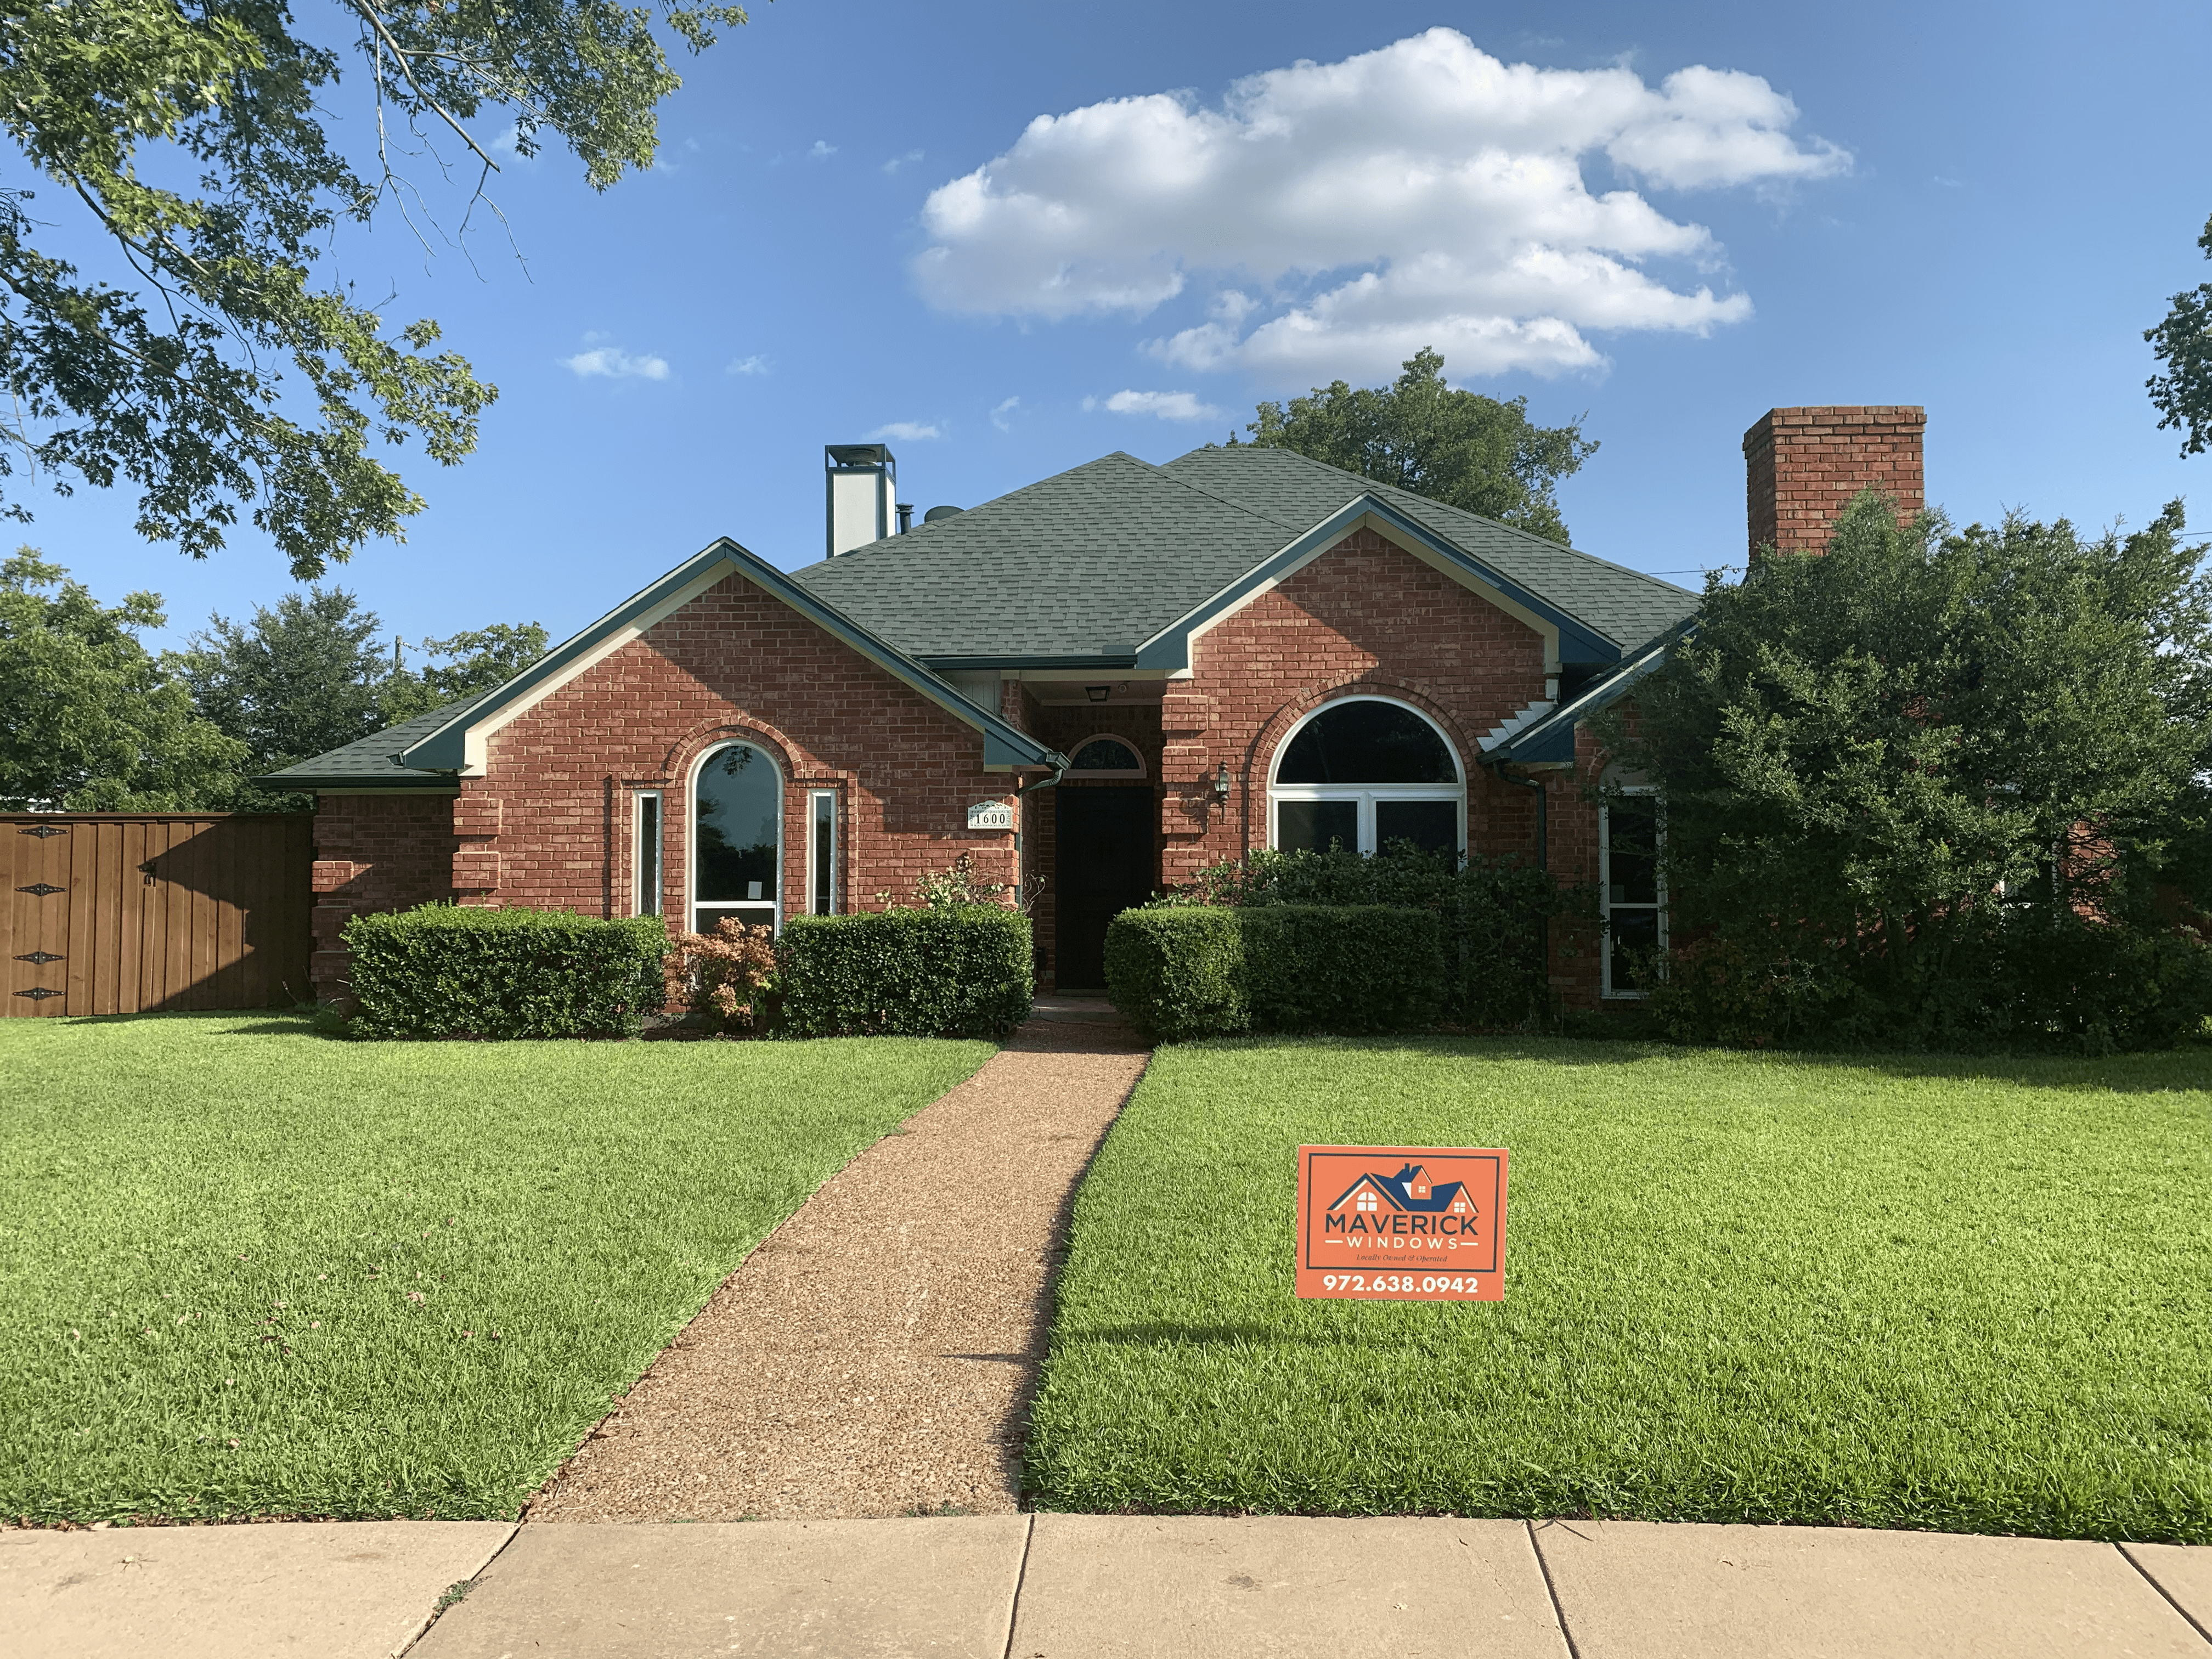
{"points": [[1097, 1587]]}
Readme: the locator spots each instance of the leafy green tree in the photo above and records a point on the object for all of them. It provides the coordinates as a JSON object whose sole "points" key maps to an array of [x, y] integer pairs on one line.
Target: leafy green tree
{"points": [[299, 678], [1419, 435], [2183, 395], [1926, 788], [476, 660], [90, 721], [310, 674], [164, 372]]}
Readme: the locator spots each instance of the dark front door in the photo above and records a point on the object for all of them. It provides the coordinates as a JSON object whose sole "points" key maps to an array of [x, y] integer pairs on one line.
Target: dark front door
{"points": [[1105, 856]]}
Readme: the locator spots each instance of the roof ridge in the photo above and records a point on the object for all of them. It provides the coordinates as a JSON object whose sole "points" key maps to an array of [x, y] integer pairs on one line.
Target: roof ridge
{"points": [[1250, 512], [889, 543], [1544, 544]]}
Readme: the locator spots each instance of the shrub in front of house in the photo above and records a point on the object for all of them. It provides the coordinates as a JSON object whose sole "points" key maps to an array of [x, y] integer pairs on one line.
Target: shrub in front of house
{"points": [[1492, 916], [1352, 967], [441, 970], [1177, 974], [955, 969], [1210, 970]]}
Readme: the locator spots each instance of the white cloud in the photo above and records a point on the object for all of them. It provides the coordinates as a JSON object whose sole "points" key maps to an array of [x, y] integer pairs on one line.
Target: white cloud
{"points": [[612, 362], [1424, 193], [754, 364], [510, 143], [907, 432], [1168, 405], [823, 150], [898, 162], [1000, 411]]}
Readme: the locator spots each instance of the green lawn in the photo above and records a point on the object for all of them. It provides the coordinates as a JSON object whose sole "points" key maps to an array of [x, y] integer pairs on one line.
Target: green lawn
{"points": [[1963, 1295], [217, 1228]]}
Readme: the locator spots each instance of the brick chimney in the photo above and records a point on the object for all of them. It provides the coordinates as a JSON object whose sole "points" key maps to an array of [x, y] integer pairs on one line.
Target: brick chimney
{"points": [[1802, 466]]}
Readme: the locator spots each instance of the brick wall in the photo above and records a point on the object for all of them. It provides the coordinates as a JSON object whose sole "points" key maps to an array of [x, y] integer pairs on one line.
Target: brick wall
{"points": [[1803, 466], [375, 851], [550, 823]]}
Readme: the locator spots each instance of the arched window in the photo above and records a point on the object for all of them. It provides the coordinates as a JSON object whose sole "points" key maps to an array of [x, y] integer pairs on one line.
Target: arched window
{"points": [[737, 838], [1105, 757], [1362, 773]]}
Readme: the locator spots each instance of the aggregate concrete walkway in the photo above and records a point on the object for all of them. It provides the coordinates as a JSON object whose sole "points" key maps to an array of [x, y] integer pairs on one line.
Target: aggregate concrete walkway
{"points": [[876, 1355], [1096, 1587]]}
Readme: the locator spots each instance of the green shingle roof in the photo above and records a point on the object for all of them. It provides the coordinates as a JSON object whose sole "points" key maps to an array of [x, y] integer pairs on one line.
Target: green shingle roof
{"points": [[1089, 565], [1626, 606], [371, 760], [1095, 560]]}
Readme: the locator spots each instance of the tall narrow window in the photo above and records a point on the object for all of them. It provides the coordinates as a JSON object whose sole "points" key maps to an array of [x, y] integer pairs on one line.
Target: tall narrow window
{"points": [[822, 852], [737, 838], [1363, 773], [1631, 831], [645, 861]]}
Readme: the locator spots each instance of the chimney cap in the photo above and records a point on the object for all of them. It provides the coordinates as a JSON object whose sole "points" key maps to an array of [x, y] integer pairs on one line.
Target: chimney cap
{"points": [[840, 456]]}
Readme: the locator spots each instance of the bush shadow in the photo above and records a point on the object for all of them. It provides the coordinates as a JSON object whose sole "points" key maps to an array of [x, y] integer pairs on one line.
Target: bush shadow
{"points": [[2159, 1071]]}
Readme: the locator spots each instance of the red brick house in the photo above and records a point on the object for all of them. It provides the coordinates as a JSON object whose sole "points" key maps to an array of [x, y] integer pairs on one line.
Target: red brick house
{"points": [[1093, 687]]}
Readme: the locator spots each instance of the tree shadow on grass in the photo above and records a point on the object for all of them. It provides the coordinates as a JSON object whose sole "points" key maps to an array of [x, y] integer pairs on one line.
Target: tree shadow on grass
{"points": [[2163, 1070], [276, 1022]]}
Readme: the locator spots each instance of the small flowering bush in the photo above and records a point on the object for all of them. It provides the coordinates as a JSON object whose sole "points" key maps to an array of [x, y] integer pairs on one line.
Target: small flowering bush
{"points": [[727, 978]]}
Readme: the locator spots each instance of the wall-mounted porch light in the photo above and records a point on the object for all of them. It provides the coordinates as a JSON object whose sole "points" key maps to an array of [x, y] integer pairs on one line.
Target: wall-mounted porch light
{"points": [[1221, 784], [1097, 693]]}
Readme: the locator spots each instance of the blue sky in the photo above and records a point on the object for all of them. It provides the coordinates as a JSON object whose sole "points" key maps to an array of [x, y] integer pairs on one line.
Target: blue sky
{"points": [[1976, 207]]}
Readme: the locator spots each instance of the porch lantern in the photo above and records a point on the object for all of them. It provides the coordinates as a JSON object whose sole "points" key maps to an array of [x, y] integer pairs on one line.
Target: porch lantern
{"points": [[1221, 784]]}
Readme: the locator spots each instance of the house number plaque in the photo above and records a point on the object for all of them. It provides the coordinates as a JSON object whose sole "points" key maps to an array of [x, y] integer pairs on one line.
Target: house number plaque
{"points": [[991, 815]]}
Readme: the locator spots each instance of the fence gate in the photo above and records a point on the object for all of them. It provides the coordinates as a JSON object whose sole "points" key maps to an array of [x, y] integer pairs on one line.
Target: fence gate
{"points": [[116, 913]]}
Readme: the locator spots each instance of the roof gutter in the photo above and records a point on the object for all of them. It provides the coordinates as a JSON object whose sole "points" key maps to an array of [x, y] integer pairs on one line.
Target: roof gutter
{"points": [[1543, 805]]}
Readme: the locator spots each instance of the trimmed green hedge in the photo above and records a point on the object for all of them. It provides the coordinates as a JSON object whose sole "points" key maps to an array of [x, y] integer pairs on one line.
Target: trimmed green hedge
{"points": [[1343, 968], [1208, 971], [951, 971], [441, 970], [1177, 974]]}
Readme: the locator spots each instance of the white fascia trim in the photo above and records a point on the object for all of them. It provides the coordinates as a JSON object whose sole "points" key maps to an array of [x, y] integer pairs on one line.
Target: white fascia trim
{"points": [[477, 737]]}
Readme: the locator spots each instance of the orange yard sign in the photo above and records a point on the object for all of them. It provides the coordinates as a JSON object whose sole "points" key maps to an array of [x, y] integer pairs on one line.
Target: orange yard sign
{"points": [[1402, 1224]]}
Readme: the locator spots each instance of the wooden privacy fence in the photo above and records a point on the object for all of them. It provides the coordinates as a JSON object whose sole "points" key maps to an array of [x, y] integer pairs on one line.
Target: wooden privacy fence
{"points": [[115, 913]]}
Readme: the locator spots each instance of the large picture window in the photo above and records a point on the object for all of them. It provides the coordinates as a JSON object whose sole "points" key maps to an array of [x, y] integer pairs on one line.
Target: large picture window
{"points": [[1362, 773], [737, 838], [1630, 832]]}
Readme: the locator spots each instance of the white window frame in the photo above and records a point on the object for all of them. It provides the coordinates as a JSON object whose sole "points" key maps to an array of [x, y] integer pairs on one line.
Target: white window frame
{"points": [[727, 907], [1629, 993], [1077, 776], [816, 798], [1367, 795], [646, 900]]}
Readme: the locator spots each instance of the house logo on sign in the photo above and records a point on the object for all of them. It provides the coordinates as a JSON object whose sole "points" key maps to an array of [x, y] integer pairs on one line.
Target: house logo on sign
{"points": [[991, 815], [1371, 1198]]}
